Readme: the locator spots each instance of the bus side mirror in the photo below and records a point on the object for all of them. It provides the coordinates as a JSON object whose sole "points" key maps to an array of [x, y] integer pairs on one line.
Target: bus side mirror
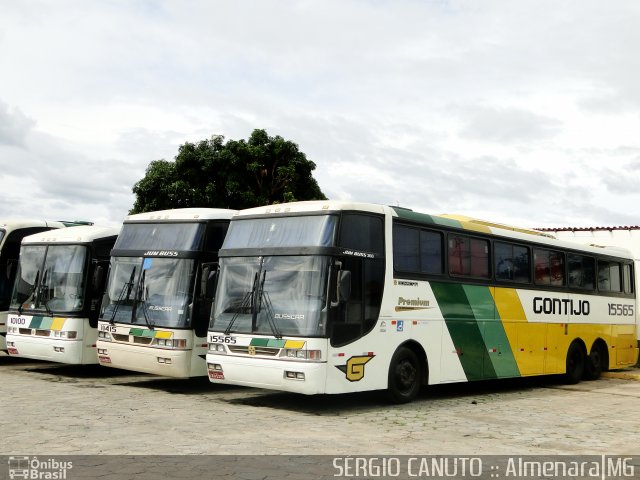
{"points": [[97, 282], [343, 286], [11, 268], [209, 279]]}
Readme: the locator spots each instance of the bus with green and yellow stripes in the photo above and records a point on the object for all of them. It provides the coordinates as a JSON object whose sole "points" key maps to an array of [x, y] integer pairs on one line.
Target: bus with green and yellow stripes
{"points": [[158, 299], [330, 297], [56, 297], [12, 231]]}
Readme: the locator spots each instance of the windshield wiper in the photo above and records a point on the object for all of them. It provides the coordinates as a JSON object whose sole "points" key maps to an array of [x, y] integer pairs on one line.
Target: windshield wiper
{"points": [[43, 297], [126, 287], [247, 301], [264, 297], [33, 290], [140, 298]]}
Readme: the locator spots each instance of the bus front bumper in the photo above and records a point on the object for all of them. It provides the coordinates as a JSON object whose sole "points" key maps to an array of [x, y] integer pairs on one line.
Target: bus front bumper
{"points": [[144, 359], [52, 350], [300, 377]]}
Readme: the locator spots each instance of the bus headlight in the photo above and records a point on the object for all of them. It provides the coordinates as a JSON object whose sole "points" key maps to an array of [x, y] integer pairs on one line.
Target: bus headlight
{"points": [[314, 355], [67, 334], [106, 336], [217, 348], [171, 343]]}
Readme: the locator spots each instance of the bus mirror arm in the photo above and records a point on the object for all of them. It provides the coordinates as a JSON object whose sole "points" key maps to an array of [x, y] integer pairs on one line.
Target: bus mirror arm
{"points": [[11, 266], [209, 279], [98, 278], [343, 287]]}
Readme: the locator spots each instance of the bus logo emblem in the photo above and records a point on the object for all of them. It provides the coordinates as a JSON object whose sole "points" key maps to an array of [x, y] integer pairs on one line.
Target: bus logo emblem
{"points": [[251, 350], [354, 368]]}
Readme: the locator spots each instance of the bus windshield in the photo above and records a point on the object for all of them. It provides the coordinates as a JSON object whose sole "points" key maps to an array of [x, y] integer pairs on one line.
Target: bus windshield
{"points": [[149, 291], [51, 278], [160, 236], [276, 295], [305, 231]]}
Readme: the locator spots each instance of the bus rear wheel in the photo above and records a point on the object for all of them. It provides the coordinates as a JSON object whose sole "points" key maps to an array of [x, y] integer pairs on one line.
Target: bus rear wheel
{"points": [[405, 374], [575, 364], [594, 364]]}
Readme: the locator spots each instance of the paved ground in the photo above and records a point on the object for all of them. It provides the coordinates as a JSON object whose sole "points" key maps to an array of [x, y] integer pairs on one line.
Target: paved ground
{"points": [[56, 410]]}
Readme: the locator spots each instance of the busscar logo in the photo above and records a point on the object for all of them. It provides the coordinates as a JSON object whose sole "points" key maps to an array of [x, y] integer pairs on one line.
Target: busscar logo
{"points": [[354, 368]]}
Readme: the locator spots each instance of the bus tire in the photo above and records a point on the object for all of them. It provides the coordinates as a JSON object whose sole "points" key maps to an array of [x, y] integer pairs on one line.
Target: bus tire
{"points": [[405, 375], [594, 363], [575, 364]]}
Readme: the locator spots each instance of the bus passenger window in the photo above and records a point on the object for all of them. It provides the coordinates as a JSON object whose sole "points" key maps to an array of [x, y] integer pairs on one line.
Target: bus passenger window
{"points": [[406, 249], [609, 279], [549, 267], [512, 263], [468, 256], [417, 251], [581, 271], [430, 252], [627, 275]]}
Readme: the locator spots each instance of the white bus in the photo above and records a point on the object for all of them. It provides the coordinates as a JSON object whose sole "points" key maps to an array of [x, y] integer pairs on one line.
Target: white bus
{"points": [[56, 297], [336, 297], [158, 300], [11, 234], [624, 237]]}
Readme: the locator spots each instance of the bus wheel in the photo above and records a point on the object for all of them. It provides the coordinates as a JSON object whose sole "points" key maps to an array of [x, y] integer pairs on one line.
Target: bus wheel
{"points": [[575, 364], [404, 376], [593, 365]]}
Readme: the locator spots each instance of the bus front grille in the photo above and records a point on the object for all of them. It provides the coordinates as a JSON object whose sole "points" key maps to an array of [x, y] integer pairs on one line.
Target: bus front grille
{"points": [[118, 337], [266, 351], [142, 340]]}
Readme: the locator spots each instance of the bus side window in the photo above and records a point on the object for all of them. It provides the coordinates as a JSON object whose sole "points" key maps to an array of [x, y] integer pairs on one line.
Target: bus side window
{"points": [[548, 267], [468, 256], [609, 276], [627, 273]]}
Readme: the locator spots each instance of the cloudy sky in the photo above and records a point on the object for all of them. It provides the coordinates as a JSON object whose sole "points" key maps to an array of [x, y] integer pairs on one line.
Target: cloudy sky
{"points": [[524, 112]]}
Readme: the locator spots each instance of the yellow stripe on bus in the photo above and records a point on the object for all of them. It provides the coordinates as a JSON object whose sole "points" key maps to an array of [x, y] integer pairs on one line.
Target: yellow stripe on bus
{"points": [[527, 340], [164, 335], [57, 323], [294, 344]]}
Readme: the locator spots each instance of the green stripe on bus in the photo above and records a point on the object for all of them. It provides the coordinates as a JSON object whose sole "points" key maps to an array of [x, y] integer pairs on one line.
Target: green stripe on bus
{"points": [[149, 333], [136, 332], [463, 328], [46, 323], [259, 342], [495, 338], [36, 322], [426, 219]]}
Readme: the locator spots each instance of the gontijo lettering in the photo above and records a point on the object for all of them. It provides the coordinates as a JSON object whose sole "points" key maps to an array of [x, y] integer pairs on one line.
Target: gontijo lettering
{"points": [[561, 306]]}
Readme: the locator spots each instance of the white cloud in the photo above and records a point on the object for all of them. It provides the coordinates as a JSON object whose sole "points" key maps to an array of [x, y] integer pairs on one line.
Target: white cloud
{"points": [[524, 112]]}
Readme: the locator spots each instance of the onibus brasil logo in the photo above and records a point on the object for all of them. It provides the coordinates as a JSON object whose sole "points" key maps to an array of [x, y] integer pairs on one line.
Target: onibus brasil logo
{"points": [[34, 468]]}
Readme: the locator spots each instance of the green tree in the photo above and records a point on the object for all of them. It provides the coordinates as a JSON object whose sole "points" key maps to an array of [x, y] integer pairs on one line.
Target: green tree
{"points": [[237, 174]]}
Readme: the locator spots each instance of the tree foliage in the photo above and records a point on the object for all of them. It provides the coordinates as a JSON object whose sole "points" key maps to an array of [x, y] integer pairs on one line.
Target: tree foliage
{"points": [[237, 174]]}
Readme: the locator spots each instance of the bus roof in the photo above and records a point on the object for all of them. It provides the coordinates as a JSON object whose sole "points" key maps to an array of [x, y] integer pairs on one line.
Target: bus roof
{"points": [[11, 224], [312, 206], [179, 214], [444, 220], [83, 234]]}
